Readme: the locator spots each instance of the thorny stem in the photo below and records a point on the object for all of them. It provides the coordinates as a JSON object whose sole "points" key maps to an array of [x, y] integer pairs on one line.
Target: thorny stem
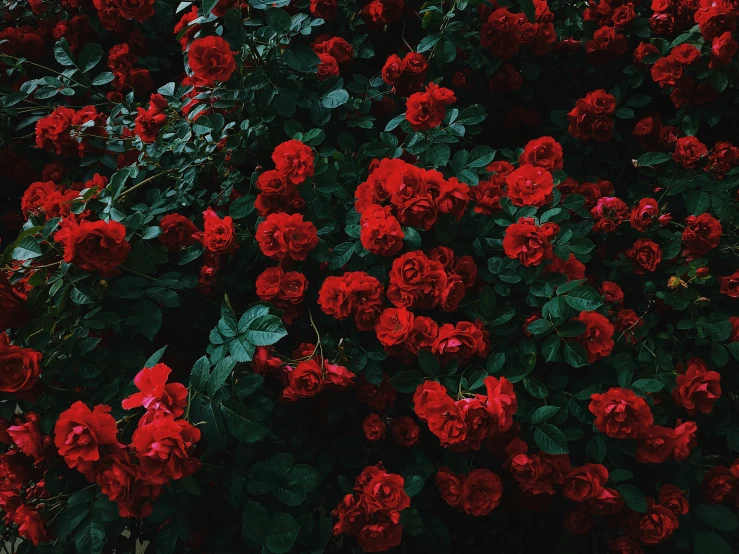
{"points": [[319, 346]]}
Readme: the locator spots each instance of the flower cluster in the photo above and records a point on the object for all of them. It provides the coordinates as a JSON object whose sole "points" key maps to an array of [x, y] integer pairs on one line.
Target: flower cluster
{"points": [[478, 493], [355, 294]]}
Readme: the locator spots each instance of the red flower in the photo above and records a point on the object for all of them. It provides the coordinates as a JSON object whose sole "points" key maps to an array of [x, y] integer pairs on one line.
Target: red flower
{"points": [[672, 498], [723, 48], [529, 185], [31, 525], [283, 236], [327, 67], [645, 256], [156, 395], [148, 124], [79, 433], [19, 367], [303, 381], [211, 60], [719, 484], [294, 161], [380, 231], [94, 246], [379, 13], [53, 132], [393, 326], [656, 525], [450, 486], [460, 342], [164, 448], [382, 535], [656, 445], [384, 493], [218, 236], [177, 232], [730, 284], [597, 339], [13, 312], [701, 235], [689, 151], [405, 431], [426, 110], [373, 427], [644, 214], [501, 403], [608, 214], [611, 293], [481, 492], [140, 10], [590, 118], [698, 388], [620, 414], [584, 483], [27, 436], [572, 268], [683, 439], [527, 243], [325, 9], [544, 152]]}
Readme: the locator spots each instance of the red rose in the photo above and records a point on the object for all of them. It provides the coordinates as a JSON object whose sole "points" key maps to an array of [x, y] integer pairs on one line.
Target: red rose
{"points": [[529, 185], [292, 287], [422, 334], [723, 48], [79, 433], [450, 486], [35, 196], [53, 132], [164, 447], [544, 152], [340, 49], [683, 437], [608, 214], [94, 246], [698, 388], [148, 124], [584, 483], [393, 326], [643, 50], [283, 236], [31, 525], [644, 214], [382, 535], [624, 545], [460, 342], [303, 381], [19, 367], [689, 151], [405, 431], [426, 110], [723, 157], [27, 436], [672, 498], [155, 394], [701, 235], [597, 339], [734, 329], [374, 427], [325, 9], [379, 13], [351, 516], [656, 445], [621, 414], [140, 10], [572, 267], [527, 243], [385, 493], [327, 67], [611, 293], [645, 256], [294, 160], [268, 283], [380, 231], [685, 54], [453, 197], [730, 284], [393, 69], [218, 235], [13, 312], [211, 60], [719, 484], [501, 403], [656, 525], [481, 492], [487, 195], [177, 232]]}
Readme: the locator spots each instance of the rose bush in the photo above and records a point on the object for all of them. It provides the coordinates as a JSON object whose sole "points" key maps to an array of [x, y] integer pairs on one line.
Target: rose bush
{"points": [[320, 276]]}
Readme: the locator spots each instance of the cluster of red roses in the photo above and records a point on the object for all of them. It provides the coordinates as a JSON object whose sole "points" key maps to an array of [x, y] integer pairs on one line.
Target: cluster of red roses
{"points": [[477, 493], [150, 121], [407, 74], [278, 187], [160, 450], [121, 59], [54, 199], [22, 476], [404, 334], [66, 131], [405, 430], [504, 32], [721, 483], [372, 512], [427, 109], [284, 289], [591, 119], [354, 294], [463, 424], [417, 196], [378, 13], [333, 52]]}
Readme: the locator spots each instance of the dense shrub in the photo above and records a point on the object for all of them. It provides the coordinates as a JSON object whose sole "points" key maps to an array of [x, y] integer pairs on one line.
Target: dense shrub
{"points": [[328, 276]]}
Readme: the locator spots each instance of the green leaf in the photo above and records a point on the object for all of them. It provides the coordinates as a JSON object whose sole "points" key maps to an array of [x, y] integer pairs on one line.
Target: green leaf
{"points": [[68, 520], [219, 375], [335, 98], [536, 388], [584, 299], [648, 385], [90, 538], [495, 363], [550, 439], [407, 381], [575, 354], [241, 207], [473, 115], [155, 357], [26, 249], [278, 20], [710, 542], [394, 122], [429, 363], [199, 374], [652, 158], [89, 57], [414, 485], [283, 531], [242, 422], [63, 54], [596, 448], [480, 157], [539, 327], [633, 498], [103, 78], [717, 516], [528, 9], [438, 155], [265, 330], [620, 475], [543, 413], [550, 347], [309, 476], [254, 524], [302, 58]]}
